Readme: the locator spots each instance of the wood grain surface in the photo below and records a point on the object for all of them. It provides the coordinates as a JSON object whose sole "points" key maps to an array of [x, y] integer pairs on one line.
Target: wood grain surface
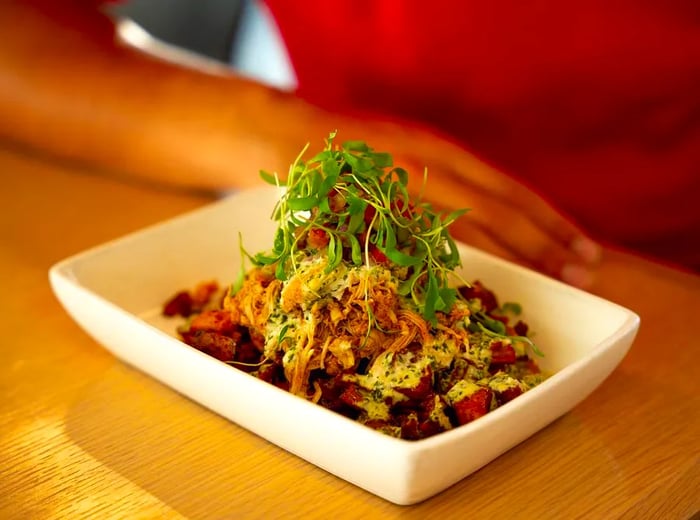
{"points": [[84, 436]]}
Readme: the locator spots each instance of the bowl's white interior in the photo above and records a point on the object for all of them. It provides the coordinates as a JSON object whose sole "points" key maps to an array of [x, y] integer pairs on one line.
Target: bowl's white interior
{"points": [[108, 288]]}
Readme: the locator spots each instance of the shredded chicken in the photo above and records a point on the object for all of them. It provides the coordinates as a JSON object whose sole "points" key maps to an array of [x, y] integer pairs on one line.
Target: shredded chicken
{"points": [[367, 319]]}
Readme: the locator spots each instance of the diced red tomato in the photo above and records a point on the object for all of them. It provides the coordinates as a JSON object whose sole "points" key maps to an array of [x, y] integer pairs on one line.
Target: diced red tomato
{"points": [[317, 238], [369, 214], [410, 427], [377, 255], [501, 353], [179, 305], [423, 389], [477, 290], [405, 210], [521, 328], [429, 428], [508, 394], [474, 406]]}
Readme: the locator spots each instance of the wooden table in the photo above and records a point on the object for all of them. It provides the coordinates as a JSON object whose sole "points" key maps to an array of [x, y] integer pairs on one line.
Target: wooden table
{"points": [[84, 436]]}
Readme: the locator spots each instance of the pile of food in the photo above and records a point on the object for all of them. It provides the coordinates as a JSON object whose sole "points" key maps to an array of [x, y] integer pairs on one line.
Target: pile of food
{"points": [[357, 306]]}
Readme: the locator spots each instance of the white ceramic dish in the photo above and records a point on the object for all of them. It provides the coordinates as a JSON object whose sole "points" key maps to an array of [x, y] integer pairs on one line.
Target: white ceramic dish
{"points": [[115, 292]]}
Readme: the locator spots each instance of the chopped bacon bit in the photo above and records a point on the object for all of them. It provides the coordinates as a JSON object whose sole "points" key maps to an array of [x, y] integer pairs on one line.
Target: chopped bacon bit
{"points": [[474, 406]]}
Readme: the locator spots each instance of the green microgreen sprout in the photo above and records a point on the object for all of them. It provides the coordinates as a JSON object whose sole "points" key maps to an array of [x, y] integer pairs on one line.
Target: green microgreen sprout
{"points": [[498, 335], [238, 282], [493, 328], [511, 308], [354, 203]]}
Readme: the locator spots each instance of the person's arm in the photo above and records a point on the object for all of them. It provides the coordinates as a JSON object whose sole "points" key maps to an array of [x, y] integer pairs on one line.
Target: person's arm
{"points": [[68, 87]]}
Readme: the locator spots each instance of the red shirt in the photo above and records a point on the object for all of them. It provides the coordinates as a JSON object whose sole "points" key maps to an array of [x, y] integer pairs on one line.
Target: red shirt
{"points": [[594, 103]]}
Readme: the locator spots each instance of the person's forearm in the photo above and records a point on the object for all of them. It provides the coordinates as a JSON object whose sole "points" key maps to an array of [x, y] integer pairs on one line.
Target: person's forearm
{"points": [[68, 87]]}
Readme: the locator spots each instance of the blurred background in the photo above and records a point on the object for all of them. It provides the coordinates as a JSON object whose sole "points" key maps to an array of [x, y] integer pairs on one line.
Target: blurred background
{"points": [[183, 22], [239, 33]]}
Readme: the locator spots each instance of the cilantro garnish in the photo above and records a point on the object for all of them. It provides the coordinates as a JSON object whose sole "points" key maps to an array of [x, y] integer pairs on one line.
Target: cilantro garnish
{"points": [[354, 203]]}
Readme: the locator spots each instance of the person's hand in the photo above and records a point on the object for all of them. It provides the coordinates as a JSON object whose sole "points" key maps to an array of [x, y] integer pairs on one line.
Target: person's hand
{"points": [[505, 218], [148, 119]]}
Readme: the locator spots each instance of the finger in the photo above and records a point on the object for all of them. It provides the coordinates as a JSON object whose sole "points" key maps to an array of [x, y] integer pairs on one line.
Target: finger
{"points": [[447, 156], [511, 233], [533, 245], [515, 194], [469, 233]]}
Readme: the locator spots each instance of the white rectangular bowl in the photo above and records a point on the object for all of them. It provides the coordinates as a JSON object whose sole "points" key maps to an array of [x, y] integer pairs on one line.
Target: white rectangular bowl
{"points": [[115, 293]]}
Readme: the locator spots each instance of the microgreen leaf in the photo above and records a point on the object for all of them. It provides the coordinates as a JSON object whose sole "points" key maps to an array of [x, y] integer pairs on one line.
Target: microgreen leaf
{"points": [[279, 242], [431, 297], [282, 336], [302, 203], [280, 271], [335, 253], [271, 179], [331, 169], [356, 146], [261, 259], [513, 308], [400, 258], [361, 201], [401, 175], [356, 250], [453, 215], [382, 160], [238, 283], [448, 295]]}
